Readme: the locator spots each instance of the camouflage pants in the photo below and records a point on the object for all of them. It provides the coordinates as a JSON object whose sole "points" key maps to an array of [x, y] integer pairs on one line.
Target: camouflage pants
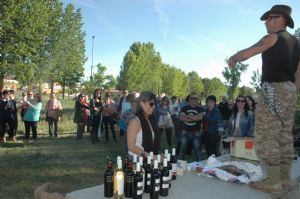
{"points": [[273, 138]]}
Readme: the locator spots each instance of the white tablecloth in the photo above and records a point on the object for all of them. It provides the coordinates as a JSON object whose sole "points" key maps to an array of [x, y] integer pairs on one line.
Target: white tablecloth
{"points": [[194, 186]]}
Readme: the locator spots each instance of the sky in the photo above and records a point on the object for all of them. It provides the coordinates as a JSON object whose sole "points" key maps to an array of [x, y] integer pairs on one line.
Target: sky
{"points": [[193, 35]]}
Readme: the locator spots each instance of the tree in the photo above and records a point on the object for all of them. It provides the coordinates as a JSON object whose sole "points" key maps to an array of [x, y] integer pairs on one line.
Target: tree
{"points": [[214, 87], [195, 82], [233, 77], [246, 91], [141, 68], [256, 80], [70, 48], [110, 82]]}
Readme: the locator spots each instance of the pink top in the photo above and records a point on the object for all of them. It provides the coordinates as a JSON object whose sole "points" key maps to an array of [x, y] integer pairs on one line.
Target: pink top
{"points": [[108, 107], [51, 106]]}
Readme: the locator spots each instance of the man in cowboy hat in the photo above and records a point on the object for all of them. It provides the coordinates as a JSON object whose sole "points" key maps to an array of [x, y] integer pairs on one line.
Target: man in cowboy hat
{"points": [[277, 99]]}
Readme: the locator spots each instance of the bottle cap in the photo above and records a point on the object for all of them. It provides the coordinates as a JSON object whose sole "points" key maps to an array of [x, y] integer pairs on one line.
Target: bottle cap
{"points": [[165, 162], [173, 151], [138, 167], [155, 164]]}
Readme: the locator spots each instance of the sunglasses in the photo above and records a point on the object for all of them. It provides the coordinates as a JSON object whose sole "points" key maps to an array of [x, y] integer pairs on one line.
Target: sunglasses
{"points": [[242, 101], [193, 98], [269, 18]]}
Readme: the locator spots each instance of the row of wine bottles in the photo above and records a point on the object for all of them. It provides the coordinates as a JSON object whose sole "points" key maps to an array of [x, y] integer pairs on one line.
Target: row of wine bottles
{"points": [[141, 175]]}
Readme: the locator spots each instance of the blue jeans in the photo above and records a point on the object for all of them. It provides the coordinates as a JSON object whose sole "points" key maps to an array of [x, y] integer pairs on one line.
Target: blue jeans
{"points": [[188, 138]]}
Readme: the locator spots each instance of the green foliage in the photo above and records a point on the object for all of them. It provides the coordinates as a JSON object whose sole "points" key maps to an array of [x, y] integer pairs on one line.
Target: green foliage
{"points": [[215, 87], [233, 77], [141, 68], [245, 91], [256, 80], [40, 42], [195, 82]]}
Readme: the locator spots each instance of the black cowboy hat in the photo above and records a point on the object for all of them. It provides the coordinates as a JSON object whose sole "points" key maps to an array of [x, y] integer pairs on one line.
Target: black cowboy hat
{"points": [[283, 10]]}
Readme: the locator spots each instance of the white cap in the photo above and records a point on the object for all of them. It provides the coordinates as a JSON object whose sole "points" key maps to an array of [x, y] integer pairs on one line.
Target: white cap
{"points": [[138, 167], [119, 162], [149, 160], [134, 158], [166, 152], [141, 160], [155, 164], [158, 158], [165, 162], [151, 154], [168, 157], [173, 151]]}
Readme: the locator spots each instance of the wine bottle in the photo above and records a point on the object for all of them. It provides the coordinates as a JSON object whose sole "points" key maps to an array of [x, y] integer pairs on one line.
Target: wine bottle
{"points": [[119, 180], [155, 181], [148, 171], [108, 180], [141, 161], [165, 179], [169, 165], [138, 183], [129, 181], [174, 164]]}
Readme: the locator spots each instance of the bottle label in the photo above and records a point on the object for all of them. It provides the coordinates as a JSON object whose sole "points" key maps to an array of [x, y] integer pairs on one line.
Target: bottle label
{"points": [[165, 186], [165, 179], [129, 179], [120, 186], [148, 182], [156, 188], [139, 192], [140, 184], [174, 167], [109, 179], [157, 181], [149, 175]]}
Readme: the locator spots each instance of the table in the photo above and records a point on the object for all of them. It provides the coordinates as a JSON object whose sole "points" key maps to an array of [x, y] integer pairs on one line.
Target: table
{"points": [[194, 186]]}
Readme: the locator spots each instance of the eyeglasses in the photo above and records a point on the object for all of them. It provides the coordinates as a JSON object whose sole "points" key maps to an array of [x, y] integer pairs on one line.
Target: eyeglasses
{"points": [[242, 101], [151, 104], [30, 94], [193, 98], [269, 18]]}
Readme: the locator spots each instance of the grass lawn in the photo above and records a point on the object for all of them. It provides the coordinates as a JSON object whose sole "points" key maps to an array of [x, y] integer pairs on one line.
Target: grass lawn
{"points": [[65, 162]]}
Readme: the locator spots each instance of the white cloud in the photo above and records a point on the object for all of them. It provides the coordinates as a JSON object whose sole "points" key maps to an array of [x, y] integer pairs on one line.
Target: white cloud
{"points": [[163, 17]]}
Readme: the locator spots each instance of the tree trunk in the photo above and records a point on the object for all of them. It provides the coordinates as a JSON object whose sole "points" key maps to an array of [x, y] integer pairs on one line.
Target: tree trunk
{"points": [[1, 82], [63, 93], [51, 86]]}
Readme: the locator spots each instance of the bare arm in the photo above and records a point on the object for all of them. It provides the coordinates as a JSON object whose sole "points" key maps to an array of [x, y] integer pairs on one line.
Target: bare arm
{"points": [[264, 44], [297, 76], [185, 118], [133, 128]]}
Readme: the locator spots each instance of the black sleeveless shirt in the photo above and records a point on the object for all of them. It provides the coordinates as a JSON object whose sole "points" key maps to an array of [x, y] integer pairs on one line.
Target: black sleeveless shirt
{"points": [[279, 63]]}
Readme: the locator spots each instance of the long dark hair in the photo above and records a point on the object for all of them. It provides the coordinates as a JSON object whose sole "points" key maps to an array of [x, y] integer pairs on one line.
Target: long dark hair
{"points": [[235, 108], [97, 90], [253, 102], [148, 146]]}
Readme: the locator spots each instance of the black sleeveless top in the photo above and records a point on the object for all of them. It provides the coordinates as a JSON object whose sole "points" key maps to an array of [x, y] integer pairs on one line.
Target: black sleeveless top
{"points": [[281, 60]]}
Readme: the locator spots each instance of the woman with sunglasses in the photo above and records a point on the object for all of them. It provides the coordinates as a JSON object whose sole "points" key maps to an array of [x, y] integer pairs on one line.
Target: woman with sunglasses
{"points": [[81, 114], [241, 122], [32, 115], [142, 131]]}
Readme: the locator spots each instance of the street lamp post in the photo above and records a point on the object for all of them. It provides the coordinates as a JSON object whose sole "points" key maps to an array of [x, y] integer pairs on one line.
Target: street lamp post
{"points": [[92, 57]]}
